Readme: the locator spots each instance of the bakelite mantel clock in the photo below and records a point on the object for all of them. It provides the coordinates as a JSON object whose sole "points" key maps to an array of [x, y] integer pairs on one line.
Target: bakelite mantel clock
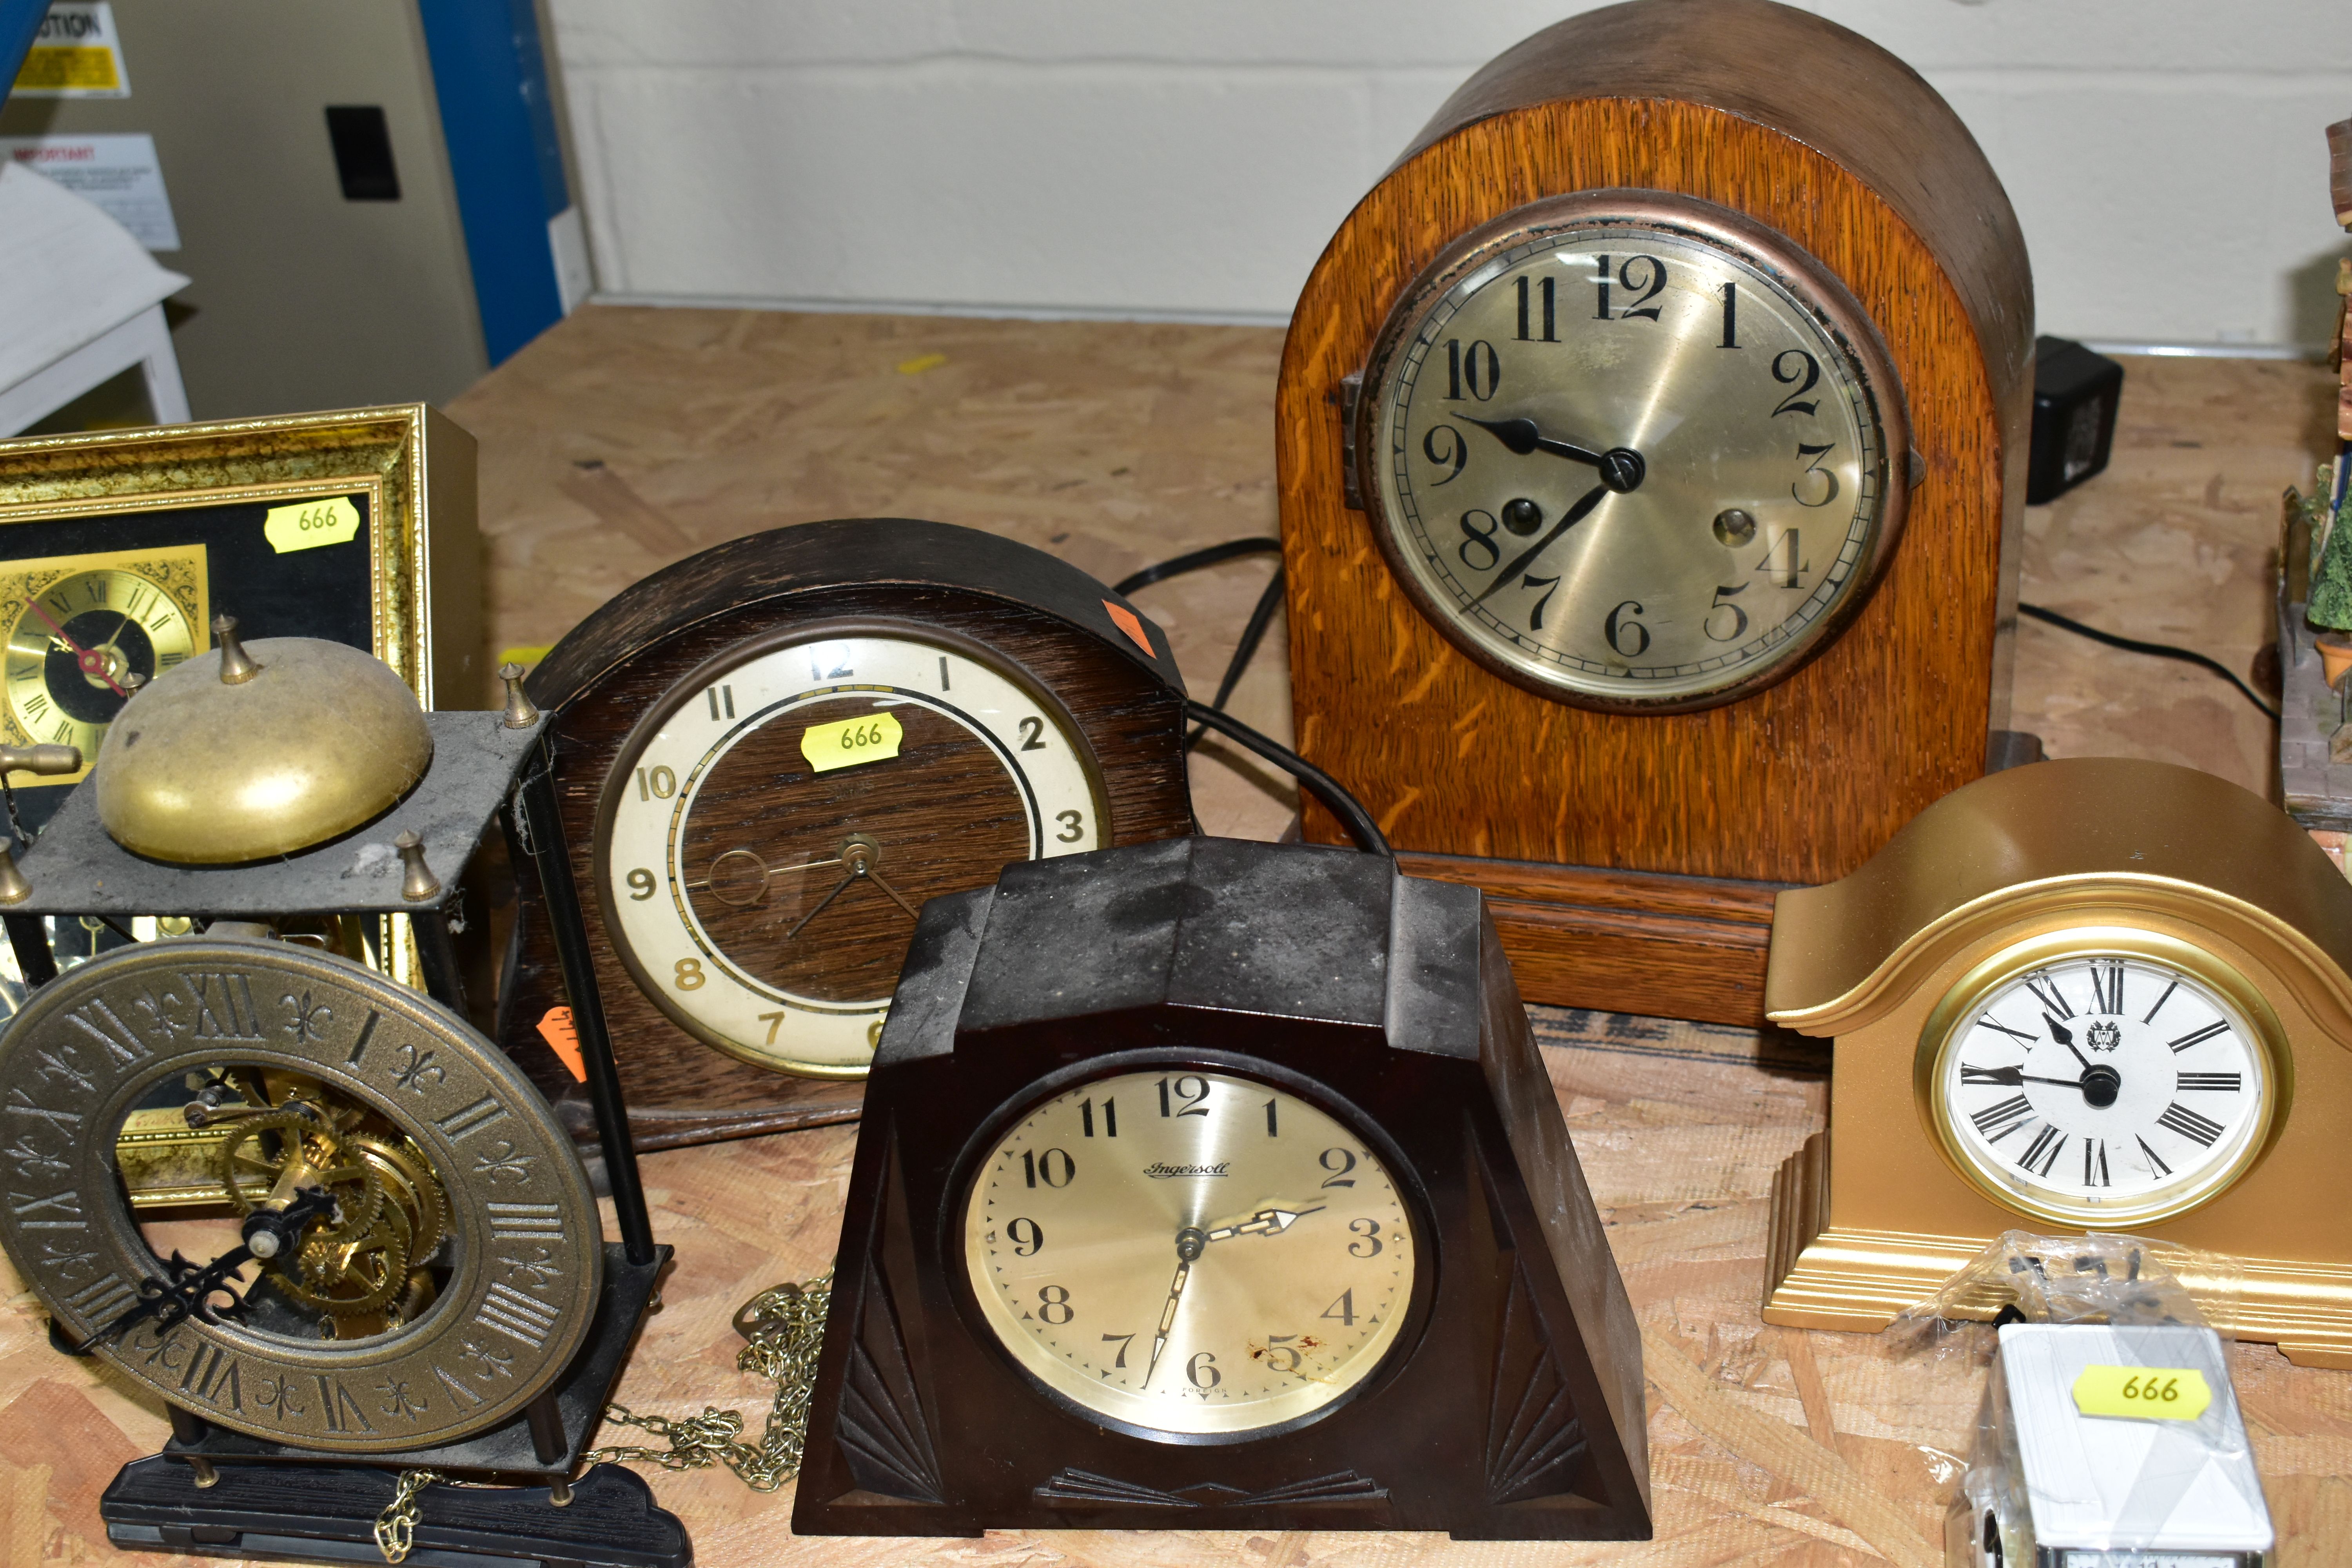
{"points": [[1219, 1185], [2089, 994], [1650, 438]]}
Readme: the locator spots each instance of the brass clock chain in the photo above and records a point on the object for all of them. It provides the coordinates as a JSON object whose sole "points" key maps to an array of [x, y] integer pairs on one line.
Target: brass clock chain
{"points": [[783, 1328]]}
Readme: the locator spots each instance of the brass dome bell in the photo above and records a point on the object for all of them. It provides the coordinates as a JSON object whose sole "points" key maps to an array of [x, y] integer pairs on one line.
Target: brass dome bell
{"points": [[244, 752]]}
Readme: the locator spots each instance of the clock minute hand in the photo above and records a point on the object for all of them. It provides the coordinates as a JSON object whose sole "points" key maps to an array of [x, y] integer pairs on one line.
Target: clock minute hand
{"points": [[2013, 1077], [1522, 436], [1575, 514], [1188, 1243]]}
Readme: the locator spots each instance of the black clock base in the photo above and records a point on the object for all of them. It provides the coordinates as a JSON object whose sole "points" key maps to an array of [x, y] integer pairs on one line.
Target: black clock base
{"points": [[328, 1514]]}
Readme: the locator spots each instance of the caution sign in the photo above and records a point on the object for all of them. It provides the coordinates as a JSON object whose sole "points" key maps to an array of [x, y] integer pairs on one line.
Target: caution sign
{"points": [[76, 54]]}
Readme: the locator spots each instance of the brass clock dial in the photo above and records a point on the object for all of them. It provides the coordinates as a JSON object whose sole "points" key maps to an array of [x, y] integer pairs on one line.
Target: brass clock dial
{"points": [[78, 626], [2098, 1081], [770, 832], [1633, 450], [1189, 1252], [438, 1254]]}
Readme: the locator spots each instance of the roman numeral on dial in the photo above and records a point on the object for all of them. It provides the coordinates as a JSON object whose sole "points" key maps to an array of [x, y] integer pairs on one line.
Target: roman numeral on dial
{"points": [[2216, 1082], [2094, 1162], [2199, 1036], [536, 1222], [1989, 1022], [2189, 1124], [519, 1317], [2043, 1152], [2016, 1111], [2045, 991], [467, 1120], [2106, 985]]}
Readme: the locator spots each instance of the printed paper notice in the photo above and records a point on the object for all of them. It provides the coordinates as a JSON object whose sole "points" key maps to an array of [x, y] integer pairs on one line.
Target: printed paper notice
{"points": [[120, 172], [76, 54]]}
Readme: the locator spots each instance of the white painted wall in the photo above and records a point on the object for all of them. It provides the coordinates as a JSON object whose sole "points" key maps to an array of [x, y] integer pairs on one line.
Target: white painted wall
{"points": [[1191, 157]]}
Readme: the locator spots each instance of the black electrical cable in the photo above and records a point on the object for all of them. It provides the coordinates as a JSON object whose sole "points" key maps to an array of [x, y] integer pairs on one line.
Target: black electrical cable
{"points": [[1343, 805], [2153, 649], [1261, 544], [1246, 650]]}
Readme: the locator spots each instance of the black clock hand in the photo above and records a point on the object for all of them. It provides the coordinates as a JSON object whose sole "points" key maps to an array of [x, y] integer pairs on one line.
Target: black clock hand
{"points": [[2065, 1037], [1575, 514], [804, 920], [1521, 437], [268, 1232], [1188, 1243], [2014, 1077]]}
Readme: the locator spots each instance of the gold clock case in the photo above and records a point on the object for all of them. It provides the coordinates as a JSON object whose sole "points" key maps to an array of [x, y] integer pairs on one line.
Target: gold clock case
{"points": [[2092, 854], [1718, 227]]}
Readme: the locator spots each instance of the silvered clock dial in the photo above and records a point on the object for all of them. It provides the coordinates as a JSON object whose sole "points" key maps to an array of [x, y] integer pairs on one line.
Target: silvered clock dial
{"points": [[1189, 1252], [2098, 1083], [1633, 450]]}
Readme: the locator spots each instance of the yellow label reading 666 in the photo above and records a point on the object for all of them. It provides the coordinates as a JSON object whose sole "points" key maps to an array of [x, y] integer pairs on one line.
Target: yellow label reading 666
{"points": [[846, 742], [2158, 1392], [306, 525]]}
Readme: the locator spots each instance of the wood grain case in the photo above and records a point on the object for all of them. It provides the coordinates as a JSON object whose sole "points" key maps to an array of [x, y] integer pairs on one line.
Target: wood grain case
{"points": [[1044, 620], [1634, 858]]}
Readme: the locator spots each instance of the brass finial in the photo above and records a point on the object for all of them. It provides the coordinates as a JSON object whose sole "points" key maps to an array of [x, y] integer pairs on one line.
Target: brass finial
{"points": [[236, 665], [13, 889], [521, 714], [47, 762], [417, 882]]}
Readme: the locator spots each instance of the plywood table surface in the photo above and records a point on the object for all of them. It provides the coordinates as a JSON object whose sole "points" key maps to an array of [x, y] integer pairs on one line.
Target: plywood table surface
{"points": [[625, 439]]}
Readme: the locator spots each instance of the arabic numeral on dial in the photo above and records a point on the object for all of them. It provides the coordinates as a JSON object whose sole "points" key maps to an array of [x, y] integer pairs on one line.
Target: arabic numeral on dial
{"points": [[1368, 1233], [660, 783], [1338, 1161], [641, 884], [1739, 628], [687, 975], [1475, 538], [1452, 460], [1073, 826], [1201, 1372], [1122, 1342], [1028, 1238], [1730, 317], [1650, 280], [1783, 565], [1814, 469], [1037, 1167], [1053, 1299], [1551, 586], [1544, 291], [1344, 1308], [1478, 367], [1191, 1090], [1280, 1346], [1110, 1117], [1032, 734], [1620, 625], [1806, 367], [1272, 1130]]}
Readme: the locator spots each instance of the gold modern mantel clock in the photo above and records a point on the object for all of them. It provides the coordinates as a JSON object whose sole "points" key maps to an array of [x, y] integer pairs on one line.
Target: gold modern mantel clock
{"points": [[2092, 995]]}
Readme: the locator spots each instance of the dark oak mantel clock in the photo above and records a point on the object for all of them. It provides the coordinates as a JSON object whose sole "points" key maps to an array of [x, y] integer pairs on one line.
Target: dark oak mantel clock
{"points": [[1651, 444], [1221, 1186], [770, 754]]}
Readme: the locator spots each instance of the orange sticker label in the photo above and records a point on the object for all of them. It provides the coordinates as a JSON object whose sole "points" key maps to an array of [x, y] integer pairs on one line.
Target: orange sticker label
{"points": [[1130, 622], [564, 1041]]}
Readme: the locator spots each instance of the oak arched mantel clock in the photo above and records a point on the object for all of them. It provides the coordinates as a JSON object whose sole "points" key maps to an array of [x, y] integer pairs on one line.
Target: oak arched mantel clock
{"points": [[1651, 444]]}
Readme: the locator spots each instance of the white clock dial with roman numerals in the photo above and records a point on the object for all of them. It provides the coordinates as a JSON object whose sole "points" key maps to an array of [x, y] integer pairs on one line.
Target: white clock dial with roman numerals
{"points": [[2103, 1087], [1189, 1252]]}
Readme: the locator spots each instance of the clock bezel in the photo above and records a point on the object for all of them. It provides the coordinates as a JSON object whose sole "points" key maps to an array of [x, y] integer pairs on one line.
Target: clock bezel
{"points": [[690, 684], [1811, 283], [962, 1185], [1941, 1035]]}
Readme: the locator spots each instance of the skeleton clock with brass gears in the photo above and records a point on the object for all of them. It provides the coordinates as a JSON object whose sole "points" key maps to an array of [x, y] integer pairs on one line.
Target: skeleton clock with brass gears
{"points": [[768, 756], [2089, 994], [1649, 441], [1208, 1227], [330, 1225]]}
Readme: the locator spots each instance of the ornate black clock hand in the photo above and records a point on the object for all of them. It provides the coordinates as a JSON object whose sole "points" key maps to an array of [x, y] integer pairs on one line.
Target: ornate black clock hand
{"points": [[1574, 515], [1521, 437], [1189, 1244], [2065, 1037], [268, 1234], [2014, 1077]]}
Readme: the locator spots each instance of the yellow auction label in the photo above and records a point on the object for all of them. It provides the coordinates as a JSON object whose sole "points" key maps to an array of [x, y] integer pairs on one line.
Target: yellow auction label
{"points": [[846, 742], [309, 524], [2157, 1393], [60, 69]]}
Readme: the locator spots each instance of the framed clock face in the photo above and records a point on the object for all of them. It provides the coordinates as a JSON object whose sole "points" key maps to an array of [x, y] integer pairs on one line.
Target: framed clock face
{"points": [[77, 625], [1189, 1254], [2102, 1077], [770, 831], [1633, 450]]}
